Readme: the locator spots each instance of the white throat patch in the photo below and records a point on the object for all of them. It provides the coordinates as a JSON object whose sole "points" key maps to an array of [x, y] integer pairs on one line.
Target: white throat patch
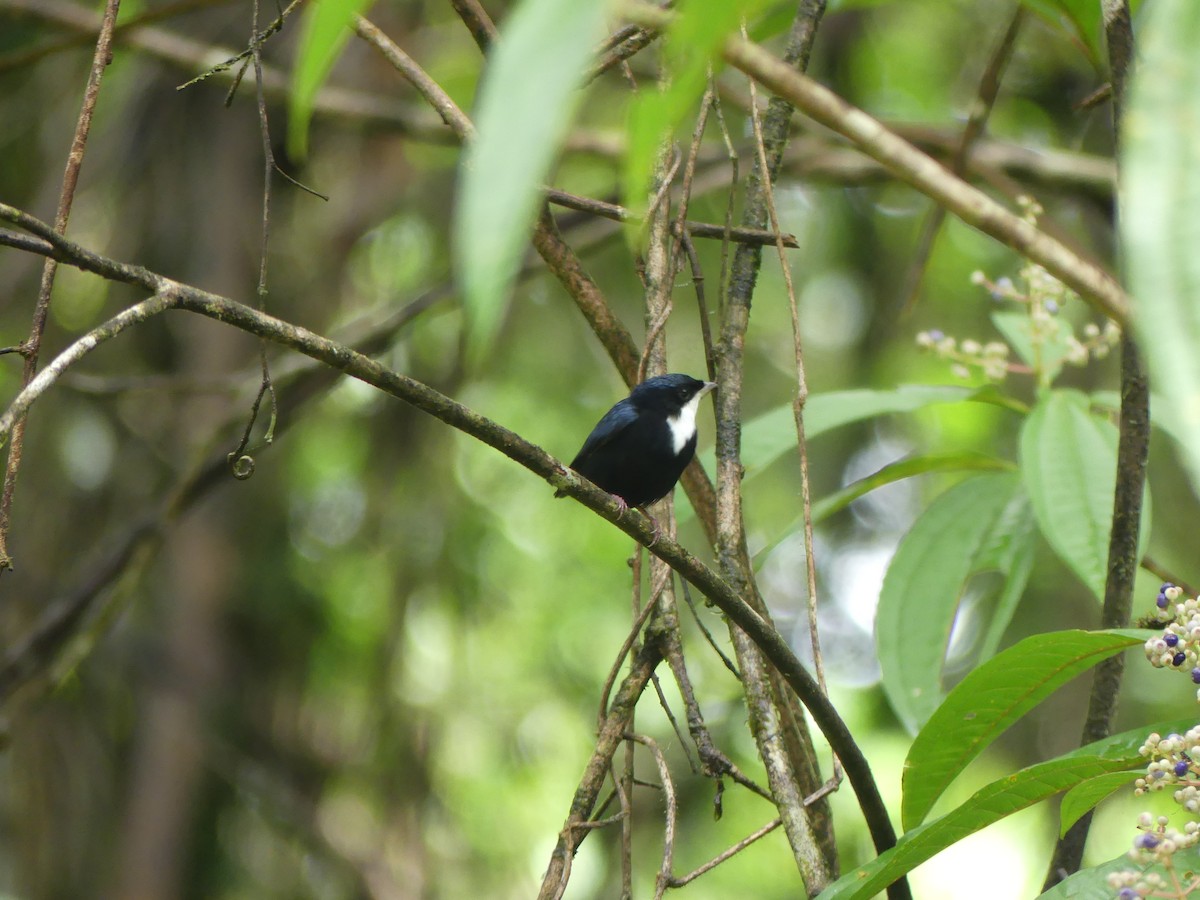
{"points": [[683, 425]]}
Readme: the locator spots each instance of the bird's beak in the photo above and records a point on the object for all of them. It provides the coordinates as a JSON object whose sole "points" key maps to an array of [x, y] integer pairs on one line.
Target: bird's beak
{"points": [[708, 386]]}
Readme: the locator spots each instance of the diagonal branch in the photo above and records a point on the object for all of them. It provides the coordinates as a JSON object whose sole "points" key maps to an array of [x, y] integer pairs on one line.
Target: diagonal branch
{"points": [[176, 295], [32, 346]]}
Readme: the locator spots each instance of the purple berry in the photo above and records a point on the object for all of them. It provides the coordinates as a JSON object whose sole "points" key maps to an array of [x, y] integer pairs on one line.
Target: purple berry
{"points": [[1165, 585], [1146, 841], [1179, 659], [1181, 768], [1128, 893], [1196, 675], [1170, 639], [1162, 601]]}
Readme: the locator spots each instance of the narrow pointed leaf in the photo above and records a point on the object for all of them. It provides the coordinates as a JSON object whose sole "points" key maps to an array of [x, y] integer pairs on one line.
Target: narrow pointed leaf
{"points": [[526, 104], [769, 436], [1160, 210], [925, 582], [1082, 798], [906, 468], [1069, 464], [990, 699], [323, 35], [992, 803]]}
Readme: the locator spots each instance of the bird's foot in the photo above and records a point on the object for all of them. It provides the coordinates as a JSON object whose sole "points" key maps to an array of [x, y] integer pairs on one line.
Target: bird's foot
{"points": [[653, 521]]}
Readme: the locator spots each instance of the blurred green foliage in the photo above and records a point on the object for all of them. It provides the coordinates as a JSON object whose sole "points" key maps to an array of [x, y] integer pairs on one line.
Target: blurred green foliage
{"points": [[373, 669]]}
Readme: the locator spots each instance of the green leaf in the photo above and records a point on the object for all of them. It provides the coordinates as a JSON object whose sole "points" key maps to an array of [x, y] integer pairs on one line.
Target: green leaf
{"points": [[1160, 213], [1080, 19], [769, 436], [1083, 797], [690, 47], [992, 803], [905, 468], [924, 583], [990, 699], [1010, 550], [526, 103], [1069, 463], [1092, 884], [324, 33]]}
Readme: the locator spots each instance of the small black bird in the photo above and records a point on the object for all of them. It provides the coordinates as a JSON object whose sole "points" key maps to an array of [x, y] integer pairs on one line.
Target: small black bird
{"points": [[642, 445]]}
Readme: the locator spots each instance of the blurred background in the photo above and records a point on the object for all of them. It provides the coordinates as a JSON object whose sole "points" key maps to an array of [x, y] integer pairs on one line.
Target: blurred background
{"points": [[372, 669]]}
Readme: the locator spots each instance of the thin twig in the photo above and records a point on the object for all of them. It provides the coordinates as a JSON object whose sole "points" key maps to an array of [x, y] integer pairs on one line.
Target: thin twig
{"points": [[727, 854], [663, 881], [1162, 573], [713, 763], [798, 404], [981, 110], [188, 55], [708, 636], [41, 311], [241, 463], [478, 22], [618, 213], [257, 39], [615, 669], [19, 59], [777, 724], [1132, 452], [617, 50]]}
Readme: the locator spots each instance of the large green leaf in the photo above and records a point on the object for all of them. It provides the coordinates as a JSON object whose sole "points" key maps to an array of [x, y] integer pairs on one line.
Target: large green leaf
{"points": [[528, 97], [691, 48], [1092, 884], [992, 803], [323, 34], [924, 584], [1010, 550], [965, 461], [989, 700], [1069, 463], [769, 436], [1160, 212]]}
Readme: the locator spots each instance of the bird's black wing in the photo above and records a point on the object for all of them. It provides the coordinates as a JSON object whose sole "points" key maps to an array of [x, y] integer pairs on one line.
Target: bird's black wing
{"points": [[615, 421]]}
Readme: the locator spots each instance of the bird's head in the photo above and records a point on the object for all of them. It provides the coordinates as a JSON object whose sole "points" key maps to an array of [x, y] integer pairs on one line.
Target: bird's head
{"points": [[670, 394]]}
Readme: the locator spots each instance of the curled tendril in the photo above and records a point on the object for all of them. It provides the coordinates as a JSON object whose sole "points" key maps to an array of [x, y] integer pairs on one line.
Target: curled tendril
{"points": [[242, 467]]}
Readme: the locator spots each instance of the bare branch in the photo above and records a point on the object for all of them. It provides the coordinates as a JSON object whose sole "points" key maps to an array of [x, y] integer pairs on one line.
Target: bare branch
{"points": [[32, 346]]}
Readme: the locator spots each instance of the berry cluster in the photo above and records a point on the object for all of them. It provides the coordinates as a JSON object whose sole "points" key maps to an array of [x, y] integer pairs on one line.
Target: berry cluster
{"points": [[1049, 341], [1156, 843], [1171, 765], [1174, 764], [990, 358], [1178, 647]]}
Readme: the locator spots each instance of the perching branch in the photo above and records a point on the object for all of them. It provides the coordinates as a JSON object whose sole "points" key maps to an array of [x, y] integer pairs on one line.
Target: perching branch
{"points": [[175, 295]]}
